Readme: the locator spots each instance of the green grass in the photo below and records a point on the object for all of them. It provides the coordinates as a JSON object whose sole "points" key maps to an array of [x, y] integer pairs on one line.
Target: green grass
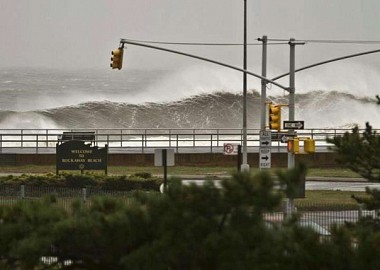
{"points": [[332, 172], [177, 170], [329, 199]]}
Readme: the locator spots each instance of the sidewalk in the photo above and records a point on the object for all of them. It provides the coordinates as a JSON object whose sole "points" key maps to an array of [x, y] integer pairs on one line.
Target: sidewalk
{"points": [[308, 178]]}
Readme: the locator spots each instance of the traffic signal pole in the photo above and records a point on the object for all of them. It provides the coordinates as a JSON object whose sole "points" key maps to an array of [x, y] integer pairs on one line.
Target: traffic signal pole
{"points": [[292, 88], [291, 155], [327, 62], [264, 40]]}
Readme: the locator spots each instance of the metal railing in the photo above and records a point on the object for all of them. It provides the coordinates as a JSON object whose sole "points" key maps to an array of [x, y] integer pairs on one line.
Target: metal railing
{"points": [[323, 214], [146, 140]]}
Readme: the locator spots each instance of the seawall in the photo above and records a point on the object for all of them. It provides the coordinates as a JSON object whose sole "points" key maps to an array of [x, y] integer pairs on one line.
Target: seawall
{"points": [[320, 160]]}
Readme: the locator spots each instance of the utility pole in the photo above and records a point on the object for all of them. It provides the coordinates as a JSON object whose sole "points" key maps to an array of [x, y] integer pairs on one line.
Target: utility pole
{"points": [[264, 40], [292, 88], [291, 155], [245, 165]]}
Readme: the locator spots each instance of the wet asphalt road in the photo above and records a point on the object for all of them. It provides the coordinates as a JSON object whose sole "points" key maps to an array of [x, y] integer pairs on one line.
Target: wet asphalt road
{"points": [[319, 185]]}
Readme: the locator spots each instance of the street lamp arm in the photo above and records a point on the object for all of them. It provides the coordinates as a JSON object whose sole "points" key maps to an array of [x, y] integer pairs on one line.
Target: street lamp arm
{"points": [[327, 61], [125, 41]]}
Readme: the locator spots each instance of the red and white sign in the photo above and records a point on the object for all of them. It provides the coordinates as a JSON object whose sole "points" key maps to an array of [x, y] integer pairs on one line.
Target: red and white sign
{"points": [[230, 148]]}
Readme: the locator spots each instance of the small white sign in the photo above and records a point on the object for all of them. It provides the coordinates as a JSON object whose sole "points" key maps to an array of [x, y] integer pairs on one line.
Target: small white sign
{"points": [[294, 124], [285, 138], [230, 148], [265, 138], [158, 159], [265, 158]]}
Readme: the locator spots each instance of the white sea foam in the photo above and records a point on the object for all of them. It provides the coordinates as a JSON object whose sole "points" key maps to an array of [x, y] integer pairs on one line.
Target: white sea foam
{"points": [[193, 81], [27, 120]]}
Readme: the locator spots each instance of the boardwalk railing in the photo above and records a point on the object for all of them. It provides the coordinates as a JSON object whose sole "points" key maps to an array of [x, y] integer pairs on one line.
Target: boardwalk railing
{"points": [[146, 140]]}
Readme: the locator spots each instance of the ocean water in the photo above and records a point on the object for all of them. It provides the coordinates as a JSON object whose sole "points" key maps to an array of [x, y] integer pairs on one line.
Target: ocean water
{"points": [[193, 98]]}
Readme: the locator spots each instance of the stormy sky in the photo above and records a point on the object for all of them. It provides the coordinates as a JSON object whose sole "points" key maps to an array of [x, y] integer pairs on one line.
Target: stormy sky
{"points": [[76, 34]]}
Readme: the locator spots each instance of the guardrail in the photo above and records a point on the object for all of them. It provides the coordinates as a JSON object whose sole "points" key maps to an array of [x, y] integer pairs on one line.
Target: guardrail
{"points": [[146, 140]]}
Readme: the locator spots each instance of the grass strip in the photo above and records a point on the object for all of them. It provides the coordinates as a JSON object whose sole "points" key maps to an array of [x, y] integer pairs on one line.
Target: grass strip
{"points": [[177, 170]]}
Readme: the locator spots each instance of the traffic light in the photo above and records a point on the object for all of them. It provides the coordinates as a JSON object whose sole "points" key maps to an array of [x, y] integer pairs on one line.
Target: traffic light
{"points": [[274, 116], [294, 145], [117, 58], [309, 146]]}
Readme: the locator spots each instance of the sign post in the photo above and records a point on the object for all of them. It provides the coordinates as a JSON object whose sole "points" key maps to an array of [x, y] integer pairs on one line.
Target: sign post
{"points": [[164, 158]]}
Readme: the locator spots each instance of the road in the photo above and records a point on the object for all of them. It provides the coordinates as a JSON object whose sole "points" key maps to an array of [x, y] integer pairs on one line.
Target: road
{"points": [[317, 185], [342, 186]]}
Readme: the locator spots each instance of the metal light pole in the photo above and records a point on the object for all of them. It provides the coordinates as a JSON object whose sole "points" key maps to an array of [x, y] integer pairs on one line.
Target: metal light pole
{"points": [[291, 155], [264, 40], [245, 165], [292, 71], [292, 76]]}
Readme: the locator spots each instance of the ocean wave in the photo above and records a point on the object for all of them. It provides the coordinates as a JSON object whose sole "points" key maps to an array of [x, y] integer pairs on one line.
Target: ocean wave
{"points": [[319, 109]]}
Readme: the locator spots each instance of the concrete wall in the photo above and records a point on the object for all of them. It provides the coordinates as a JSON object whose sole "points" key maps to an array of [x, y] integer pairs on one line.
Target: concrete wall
{"points": [[321, 160]]}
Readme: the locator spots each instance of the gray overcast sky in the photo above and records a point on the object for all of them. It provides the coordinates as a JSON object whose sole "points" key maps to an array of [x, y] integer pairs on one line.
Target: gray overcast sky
{"points": [[82, 33]]}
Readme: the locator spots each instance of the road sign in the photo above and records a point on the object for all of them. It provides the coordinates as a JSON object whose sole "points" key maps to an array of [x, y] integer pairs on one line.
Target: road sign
{"points": [[294, 124], [230, 149], [265, 158], [265, 138], [159, 158], [286, 137], [282, 136], [265, 149]]}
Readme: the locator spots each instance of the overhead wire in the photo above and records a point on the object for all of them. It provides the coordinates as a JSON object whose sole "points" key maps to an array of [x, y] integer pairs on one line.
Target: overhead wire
{"points": [[343, 41], [330, 41]]}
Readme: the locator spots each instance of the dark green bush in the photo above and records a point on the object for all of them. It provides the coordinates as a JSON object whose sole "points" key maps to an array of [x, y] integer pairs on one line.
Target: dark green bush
{"points": [[104, 182], [144, 175]]}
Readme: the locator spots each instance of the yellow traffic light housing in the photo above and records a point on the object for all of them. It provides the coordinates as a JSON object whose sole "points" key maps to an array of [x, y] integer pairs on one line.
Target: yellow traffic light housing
{"points": [[309, 146], [294, 145], [274, 116], [117, 58]]}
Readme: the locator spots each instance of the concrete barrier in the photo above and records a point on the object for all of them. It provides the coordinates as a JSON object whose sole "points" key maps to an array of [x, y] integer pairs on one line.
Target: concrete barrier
{"points": [[279, 160]]}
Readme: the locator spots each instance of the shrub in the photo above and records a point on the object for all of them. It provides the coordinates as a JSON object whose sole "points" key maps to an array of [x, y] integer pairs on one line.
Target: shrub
{"points": [[123, 183], [144, 175]]}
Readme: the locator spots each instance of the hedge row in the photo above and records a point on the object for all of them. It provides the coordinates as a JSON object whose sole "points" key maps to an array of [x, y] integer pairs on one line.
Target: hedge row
{"points": [[141, 181]]}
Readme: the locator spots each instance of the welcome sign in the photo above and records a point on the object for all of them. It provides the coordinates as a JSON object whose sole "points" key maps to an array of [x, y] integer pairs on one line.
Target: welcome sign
{"points": [[77, 155]]}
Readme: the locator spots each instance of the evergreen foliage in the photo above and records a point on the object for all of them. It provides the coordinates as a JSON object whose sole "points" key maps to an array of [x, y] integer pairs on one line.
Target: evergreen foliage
{"points": [[359, 152], [142, 181], [189, 227], [192, 227]]}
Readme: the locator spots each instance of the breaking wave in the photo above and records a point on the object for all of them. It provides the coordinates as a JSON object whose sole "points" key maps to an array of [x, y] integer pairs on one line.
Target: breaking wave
{"points": [[319, 109]]}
